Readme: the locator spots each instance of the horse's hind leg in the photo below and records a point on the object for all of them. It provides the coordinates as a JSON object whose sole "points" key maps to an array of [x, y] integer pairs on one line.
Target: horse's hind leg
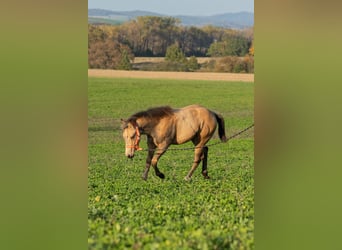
{"points": [[204, 162], [197, 160]]}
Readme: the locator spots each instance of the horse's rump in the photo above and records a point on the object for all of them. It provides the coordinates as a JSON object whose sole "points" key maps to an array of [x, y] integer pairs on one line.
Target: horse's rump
{"points": [[192, 121]]}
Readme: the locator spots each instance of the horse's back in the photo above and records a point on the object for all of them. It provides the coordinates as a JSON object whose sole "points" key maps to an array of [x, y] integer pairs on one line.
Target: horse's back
{"points": [[197, 113]]}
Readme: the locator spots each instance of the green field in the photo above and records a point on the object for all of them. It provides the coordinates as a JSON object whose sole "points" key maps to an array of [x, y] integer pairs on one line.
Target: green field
{"points": [[125, 212]]}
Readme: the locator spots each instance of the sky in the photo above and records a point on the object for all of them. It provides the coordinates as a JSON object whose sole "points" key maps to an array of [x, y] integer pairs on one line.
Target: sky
{"points": [[176, 7]]}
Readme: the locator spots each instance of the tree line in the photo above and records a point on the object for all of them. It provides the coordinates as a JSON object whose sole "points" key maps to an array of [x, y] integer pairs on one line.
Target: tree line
{"points": [[151, 36]]}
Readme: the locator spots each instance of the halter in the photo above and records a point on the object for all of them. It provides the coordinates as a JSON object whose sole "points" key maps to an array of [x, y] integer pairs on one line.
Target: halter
{"points": [[137, 140]]}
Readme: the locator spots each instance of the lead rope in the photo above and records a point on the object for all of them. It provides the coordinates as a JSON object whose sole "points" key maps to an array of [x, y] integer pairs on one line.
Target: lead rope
{"points": [[191, 148]]}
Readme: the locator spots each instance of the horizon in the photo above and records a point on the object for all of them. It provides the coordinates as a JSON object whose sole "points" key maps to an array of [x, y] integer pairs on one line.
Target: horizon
{"points": [[177, 7], [135, 10]]}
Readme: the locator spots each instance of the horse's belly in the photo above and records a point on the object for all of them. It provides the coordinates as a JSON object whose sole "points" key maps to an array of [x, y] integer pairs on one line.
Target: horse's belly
{"points": [[184, 135]]}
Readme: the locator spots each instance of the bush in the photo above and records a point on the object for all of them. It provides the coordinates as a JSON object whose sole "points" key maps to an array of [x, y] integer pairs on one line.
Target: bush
{"points": [[230, 64], [249, 64], [172, 66], [193, 64], [208, 66]]}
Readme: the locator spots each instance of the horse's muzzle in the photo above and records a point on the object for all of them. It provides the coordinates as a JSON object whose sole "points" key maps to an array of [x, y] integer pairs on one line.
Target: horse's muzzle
{"points": [[129, 153], [131, 149]]}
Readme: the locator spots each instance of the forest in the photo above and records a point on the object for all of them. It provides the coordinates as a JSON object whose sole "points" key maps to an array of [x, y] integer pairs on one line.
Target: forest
{"points": [[116, 46]]}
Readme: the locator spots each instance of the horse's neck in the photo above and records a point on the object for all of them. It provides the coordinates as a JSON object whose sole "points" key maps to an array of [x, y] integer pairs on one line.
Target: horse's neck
{"points": [[145, 124]]}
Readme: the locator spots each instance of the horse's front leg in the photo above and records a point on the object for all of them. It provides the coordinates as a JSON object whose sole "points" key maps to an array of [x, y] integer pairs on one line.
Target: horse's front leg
{"points": [[150, 153], [159, 152]]}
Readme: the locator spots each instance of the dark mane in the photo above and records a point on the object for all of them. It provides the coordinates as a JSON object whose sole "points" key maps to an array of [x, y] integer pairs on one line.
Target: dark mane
{"points": [[153, 113]]}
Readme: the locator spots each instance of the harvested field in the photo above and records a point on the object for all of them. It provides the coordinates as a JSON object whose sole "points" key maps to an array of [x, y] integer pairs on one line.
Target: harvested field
{"points": [[162, 59], [171, 75]]}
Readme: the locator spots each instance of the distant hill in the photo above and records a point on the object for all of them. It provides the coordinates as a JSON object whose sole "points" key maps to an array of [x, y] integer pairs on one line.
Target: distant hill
{"points": [[101, 20], [232, 20], [237, 20]]}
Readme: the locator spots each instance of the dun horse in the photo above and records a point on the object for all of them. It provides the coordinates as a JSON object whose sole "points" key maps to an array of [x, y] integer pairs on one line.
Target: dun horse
{"points": [[165, 126]]}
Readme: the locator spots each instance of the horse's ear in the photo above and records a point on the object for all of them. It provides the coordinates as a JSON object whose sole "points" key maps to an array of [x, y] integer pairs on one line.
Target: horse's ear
{"points": [[123, 123]]}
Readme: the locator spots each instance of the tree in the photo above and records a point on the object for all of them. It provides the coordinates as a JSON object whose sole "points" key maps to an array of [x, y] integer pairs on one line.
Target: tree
{"points": [[230, 46], [149, 35], [251, 50], [174, 54], [216, 49], [194, 41], [95, 34], [124, 63], [108, 54]]}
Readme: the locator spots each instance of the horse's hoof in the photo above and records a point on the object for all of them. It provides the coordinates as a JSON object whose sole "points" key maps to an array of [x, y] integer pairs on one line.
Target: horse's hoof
{"points": [[161, 175], [205, 174], [144, 178], [186, 178]]}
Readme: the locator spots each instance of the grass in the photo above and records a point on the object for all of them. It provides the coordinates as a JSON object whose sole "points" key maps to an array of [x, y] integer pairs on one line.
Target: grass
{"points": [[125, 212]]}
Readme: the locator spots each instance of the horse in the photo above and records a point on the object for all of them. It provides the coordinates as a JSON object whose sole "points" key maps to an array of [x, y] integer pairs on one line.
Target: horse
{"points": [[164, 126]]}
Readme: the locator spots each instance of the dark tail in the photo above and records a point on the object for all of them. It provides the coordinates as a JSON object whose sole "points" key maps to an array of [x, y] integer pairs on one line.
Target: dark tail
{"points": [[221, 130]]}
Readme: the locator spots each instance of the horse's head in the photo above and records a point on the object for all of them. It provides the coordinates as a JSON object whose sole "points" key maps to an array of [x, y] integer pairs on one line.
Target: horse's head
{"points": [[131, 135]]}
